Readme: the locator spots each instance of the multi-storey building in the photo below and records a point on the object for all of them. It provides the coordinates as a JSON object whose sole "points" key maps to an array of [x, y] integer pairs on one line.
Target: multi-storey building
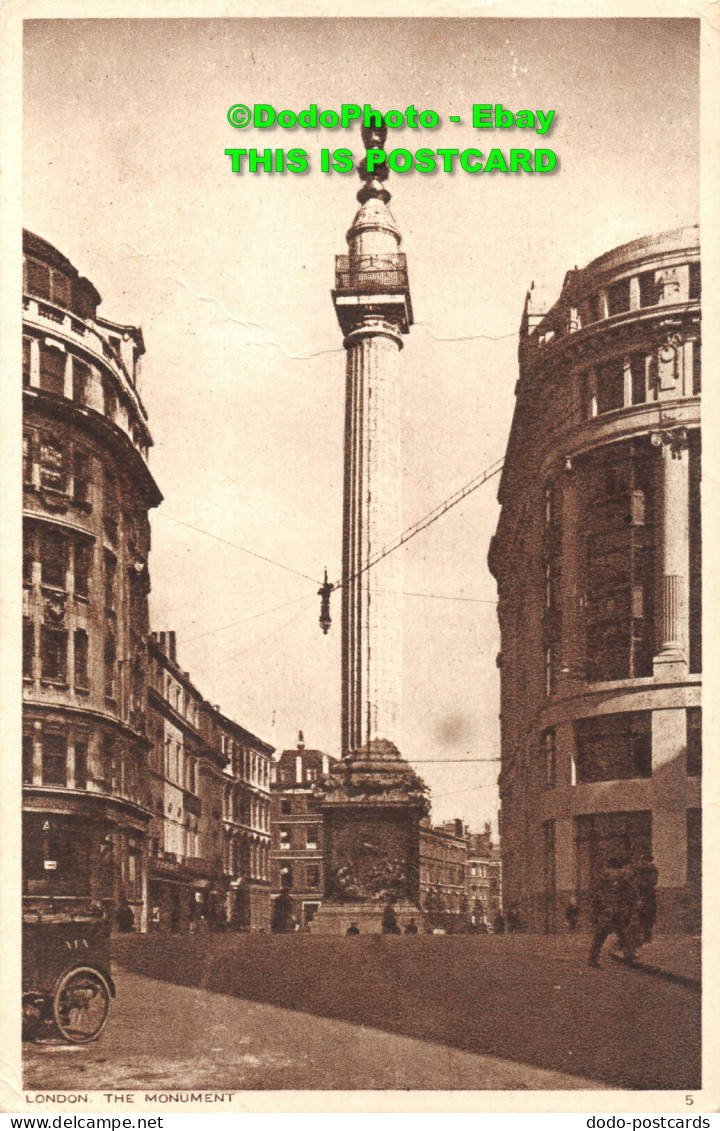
{"points": [[483, 876], [297, 829], [443, 861], [87, 491], [210, 834], [245, 822], [180, 878], [597, 560]]}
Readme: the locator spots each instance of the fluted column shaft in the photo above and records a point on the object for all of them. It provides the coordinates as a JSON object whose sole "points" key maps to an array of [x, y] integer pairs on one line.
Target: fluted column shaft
{"points": [[372, 600]]}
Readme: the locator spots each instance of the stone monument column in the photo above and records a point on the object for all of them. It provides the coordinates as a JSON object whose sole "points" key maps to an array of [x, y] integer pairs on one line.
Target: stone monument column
{"points": [[372, 801], [372, 302]]}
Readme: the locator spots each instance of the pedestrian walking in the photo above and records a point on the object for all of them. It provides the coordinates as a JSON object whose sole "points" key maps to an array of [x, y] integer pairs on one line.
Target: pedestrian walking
{"points": [[613, 909]]}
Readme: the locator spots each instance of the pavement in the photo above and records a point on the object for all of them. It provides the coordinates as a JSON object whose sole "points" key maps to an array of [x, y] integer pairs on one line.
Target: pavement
{"points": [[432, 1012], [176, 1038]]}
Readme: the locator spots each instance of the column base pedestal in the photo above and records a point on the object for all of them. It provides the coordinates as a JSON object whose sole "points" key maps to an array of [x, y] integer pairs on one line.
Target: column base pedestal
{"points": [[670, 666], [336, 918]]}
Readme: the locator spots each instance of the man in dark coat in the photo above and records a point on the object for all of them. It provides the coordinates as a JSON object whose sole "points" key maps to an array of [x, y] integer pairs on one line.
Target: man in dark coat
{"points": [[613, 909]]}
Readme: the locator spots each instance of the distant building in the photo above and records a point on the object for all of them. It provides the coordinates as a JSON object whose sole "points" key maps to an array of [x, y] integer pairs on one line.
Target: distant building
{"points": [[597, 558], [297, 829], [443, 862], [210, 785], [483, 876], [87, 491]]}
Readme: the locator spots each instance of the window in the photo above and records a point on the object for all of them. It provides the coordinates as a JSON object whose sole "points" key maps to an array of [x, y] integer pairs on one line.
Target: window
{"points": [[611, 385], [619, 297], [111, 507], [37, 278], [53, 470], [638, 377], [548, 738], [81, 658], [614, 747], [83, 565], [53, 653], [109, 399], [26, 363], [549, 671], [695, 287], [313, 876], [81, 374], [60, 289], [286, 876], [284, 839], [637, 503], [312, 836], [54, 759], [311, 774], [27, 757], [696, 373], [110, 573], [28, 648], [648, 289], [81, 758], [694, 740], [53, 558], [52, 370], [81, 476], [110, 658], [286, 807], [27, 459], [694, 847], [548, 585]]}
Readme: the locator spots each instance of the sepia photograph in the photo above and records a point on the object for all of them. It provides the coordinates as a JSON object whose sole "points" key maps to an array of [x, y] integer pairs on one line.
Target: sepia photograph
{"points": [[361, 595]]}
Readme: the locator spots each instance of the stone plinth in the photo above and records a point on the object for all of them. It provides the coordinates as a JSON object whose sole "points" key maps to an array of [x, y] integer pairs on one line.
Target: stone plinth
{"points": [[371, 805], [335, 918]]}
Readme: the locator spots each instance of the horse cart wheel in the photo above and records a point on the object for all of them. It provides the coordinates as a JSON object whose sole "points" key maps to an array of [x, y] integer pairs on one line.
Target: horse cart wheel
{"points": [[81, 1004]]}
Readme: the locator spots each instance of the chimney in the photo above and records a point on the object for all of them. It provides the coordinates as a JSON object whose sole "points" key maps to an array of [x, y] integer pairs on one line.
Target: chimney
{"points": [[171, 647], [459, 831], [301, 741]]}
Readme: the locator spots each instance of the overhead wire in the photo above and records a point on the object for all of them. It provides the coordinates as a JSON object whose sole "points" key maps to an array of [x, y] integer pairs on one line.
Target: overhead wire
{"points": [[427, 520], [410, 532]]}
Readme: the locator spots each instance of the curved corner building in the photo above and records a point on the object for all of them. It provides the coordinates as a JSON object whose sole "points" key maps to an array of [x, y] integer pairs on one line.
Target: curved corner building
{"points": [[597, 562], [86, 495]]}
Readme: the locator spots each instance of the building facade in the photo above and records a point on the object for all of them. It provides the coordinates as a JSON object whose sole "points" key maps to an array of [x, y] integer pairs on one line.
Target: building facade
{"points": [[182, 882], [210, 787], [245, 822], [443, 863], [87, 491], [483, 876], [597, 561], [296, 860]]}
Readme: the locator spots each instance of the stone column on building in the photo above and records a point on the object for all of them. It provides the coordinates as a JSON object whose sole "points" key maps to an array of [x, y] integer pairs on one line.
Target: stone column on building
{"points": [[671, 662], [571, 668]]}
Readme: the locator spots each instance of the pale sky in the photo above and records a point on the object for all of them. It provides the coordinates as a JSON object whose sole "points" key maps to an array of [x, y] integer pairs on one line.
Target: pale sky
{"points": [[229, 276]]}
